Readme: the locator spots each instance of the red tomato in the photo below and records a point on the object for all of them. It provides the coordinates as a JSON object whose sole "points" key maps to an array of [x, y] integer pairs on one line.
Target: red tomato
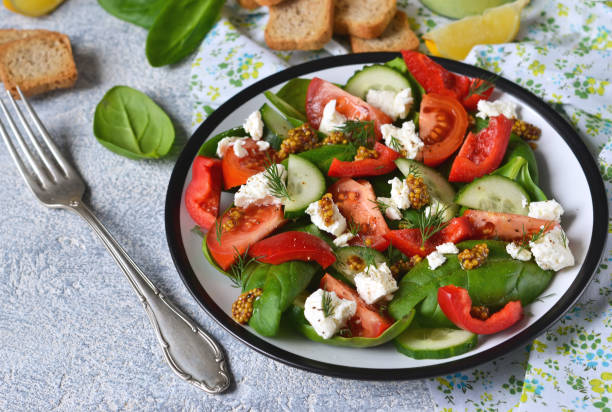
{"points": [[408, 241], [293, 245], [204, 191], [320, 92], [356, 201], [442, 125], [483, 152], [505, 226], [249, 225], [471, 102], [367, 321], [385, 163], [236, 170], [456, 304]]}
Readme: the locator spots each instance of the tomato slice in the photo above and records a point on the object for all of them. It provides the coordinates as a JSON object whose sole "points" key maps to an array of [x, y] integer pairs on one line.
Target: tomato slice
{"points": [[320, 92], [505, 226], [442, 125], [247, 227], [236, 170], [367, 321], [483, 152], [456, 304], [356, 201], [408, 241], [385, 163], [293, 245], [204, 191]]}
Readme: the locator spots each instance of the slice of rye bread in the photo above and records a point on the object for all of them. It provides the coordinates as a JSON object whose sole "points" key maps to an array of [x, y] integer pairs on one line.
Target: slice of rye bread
{"points": [[397, 36], [7, 35], [300, 24], [37, 64], [268, 2], [363, 18], [248, 4]]}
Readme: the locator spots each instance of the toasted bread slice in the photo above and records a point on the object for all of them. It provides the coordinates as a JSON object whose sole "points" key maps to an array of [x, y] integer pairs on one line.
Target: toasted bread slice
{"points": [[363, 18], [300, 24], [7, 35], [37, 64], [248, 4], [268, 2], [397, 36]]}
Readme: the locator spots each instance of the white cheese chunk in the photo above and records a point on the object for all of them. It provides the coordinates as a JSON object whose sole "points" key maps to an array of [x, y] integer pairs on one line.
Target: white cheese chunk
{"points": [[492, 109], [253, 125], [227, 142], [331, 119], [341, 311], [338, 222], [435, 259], [549, 210], [406, 138], [239, 149], [395, 105], [391, 210], [375, 283], [552, 251], [256, 190], [399, 193], [343, 239], [448, 248], [518, 252], [262, 145]]}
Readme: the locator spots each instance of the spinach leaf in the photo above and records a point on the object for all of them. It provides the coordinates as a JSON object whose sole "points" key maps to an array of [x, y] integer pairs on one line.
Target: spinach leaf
{"points": [[179, 29], [519, 147], [139, 12], [298, 320], [285, 108], [129, 123], [500, 280], [323, 156], [280, 284], [294, 93], [209, 147]]}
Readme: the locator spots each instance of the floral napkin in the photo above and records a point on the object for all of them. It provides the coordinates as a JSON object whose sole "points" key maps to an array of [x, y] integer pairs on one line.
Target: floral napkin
{"points": [[563, 53]]}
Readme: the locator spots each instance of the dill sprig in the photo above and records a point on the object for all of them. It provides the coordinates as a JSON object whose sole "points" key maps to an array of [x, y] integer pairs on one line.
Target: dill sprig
{"points": [[369, 257], [276, 182], [218, 230], [380, 205], [237, 274], [564, 238], [414, 170], [353, 227], [430, 223], [197, 230], [396, 144], [543, 229], [479, 87], [327, 305], [359, 133], [541, 298]]}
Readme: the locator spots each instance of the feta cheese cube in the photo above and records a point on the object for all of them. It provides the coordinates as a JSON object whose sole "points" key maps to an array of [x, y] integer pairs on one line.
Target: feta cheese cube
{"points": [[239, 149], [338, 222], [391, 210], [395, 105], [256, 190], [262, 145], [492, 109], [342, 240], [435, 259], [399, 193], [253, 125], [549, 210], [375, 283], [230, 141], [448, 248], [341, 311], [552, 251], [518, 252], [406, 138], [331, 119]]}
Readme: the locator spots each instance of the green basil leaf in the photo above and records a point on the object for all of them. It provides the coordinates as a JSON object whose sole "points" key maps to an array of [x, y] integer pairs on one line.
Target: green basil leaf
{"points": [[129, 123], [139, 12], [209, 147], [179, 29]]}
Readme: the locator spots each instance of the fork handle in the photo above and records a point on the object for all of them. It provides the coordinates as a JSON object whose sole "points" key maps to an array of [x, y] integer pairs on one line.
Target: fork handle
{"points": [[191, 353]]}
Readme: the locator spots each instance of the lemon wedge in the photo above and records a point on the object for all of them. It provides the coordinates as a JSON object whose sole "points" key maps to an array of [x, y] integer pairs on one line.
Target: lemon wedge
{"points": [[496, 25], [33, 8]]}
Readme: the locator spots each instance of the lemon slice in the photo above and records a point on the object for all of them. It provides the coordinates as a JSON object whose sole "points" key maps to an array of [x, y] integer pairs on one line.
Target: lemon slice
{"points": [[496, 25], [33, 8]]}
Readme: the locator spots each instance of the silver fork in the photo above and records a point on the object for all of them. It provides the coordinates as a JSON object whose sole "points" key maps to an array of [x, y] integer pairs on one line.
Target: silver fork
{"points": [[191, 353]]}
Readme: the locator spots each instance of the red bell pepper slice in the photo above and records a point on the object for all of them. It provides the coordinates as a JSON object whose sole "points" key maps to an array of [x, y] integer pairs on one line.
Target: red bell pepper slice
{"points": [[204, 191], [482, 153], [456, 304], [470, 101], [293, 245], [385, 163], [408, 241]]}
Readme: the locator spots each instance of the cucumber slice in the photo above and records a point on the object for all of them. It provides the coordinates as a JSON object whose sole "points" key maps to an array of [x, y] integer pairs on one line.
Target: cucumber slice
{"points": [[274, 121], [438, 186], [305, 184], [345, 253], [435, 343], [494, 194], [379, 77]]}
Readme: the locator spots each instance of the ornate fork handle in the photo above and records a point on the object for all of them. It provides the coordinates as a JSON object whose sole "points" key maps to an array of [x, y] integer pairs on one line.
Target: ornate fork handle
{"points": [[191, 353]]}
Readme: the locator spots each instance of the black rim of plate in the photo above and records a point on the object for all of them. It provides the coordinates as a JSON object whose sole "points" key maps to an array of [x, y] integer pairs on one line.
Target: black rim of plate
{"points": [[177, 248]]}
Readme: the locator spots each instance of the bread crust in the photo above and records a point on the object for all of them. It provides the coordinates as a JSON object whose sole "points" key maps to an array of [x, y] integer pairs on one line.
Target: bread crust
{"points": [[398, 36], [280, 17], [8, 35], [367, 28]]}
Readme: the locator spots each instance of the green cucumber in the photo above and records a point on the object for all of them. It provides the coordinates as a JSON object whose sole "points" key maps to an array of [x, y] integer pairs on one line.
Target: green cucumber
{"points": [[284, 107], [342, 257], [494, 194], [378, 77], [435, 343], [305, 184], [274, 121]]}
